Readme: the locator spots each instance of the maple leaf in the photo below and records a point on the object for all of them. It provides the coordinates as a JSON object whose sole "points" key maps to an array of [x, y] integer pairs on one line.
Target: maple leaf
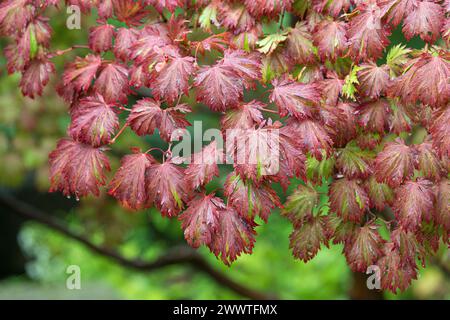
{"points": [[299, 44], [218, 87], [292, 161], [395, 163], [167, 187], [354, 162], [331, 39], [248, 40], [208, 16], [373, 80], [249, 199], [397, 58], [373, 116], [331, 88], [425, 20], [440, 131], [425, 80], [170, 5], [293, 98], [305, 241], [300, 204], [93, 121], [123, 41], [80, 73], [217, 42], [269, 8], [395, 10], [428, 162], [366, 34], [341, 231], [100, 38], [245, 65], [77, 168], [333, 8], [200, 221], [35, 77], [351, 80], [14, 15], [255, 151], [271, 42], [172, 80], [274, 65], [147, 115], [235, 17], [348, 199], [112, 83], [313, 137], [446, 30], [40, 30], [442, 212], [245, 116], [364, 248], [413, 203], [234, 236], [395, 274], [405, 243], [106, 9], [129, 185], [380, 194], [204, 166], [339, 122], [132, 13], [400, 119], [150, 46]]}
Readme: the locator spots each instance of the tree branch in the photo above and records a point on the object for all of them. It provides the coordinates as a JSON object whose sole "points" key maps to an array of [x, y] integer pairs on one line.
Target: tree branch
{"points": [[179, 255]]}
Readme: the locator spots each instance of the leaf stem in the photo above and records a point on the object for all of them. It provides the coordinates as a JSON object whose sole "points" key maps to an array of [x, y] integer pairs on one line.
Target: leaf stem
{"points": [[269, 110], [119, 133], [61, 52]]}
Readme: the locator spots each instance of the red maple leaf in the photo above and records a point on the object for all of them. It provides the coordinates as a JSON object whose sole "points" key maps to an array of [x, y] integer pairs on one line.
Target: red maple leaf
{"points": [[147, 115], [77, 169], [112, 83], [348, 199], [204, 166], [94, 121], [234, 236], [101, 38], [395, 163], [167, 187], [305, 240], [129, 185], [293, 98], [200, 221], [413, 204]]}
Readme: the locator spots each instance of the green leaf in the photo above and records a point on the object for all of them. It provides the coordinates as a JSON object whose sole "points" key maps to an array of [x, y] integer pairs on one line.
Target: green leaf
{"points": [[300, 204], [319, 170], [208, 15], [271, 42], [34, 46], [396, 58], [349, 88], [354, 162]]}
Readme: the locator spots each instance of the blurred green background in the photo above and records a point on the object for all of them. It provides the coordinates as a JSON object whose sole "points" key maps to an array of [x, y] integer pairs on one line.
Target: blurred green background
{"points": [[34, 258]]}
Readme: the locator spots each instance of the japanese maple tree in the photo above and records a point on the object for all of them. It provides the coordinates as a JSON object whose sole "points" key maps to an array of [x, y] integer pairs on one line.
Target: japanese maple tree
{"points": [[343, 101]]}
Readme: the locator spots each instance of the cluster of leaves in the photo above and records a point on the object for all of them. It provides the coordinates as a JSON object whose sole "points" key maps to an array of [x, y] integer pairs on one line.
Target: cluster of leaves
{"points": [[342, 116]]}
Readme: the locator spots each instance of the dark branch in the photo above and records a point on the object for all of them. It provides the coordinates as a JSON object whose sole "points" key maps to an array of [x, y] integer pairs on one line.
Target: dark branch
{"points": [[180, 255]]}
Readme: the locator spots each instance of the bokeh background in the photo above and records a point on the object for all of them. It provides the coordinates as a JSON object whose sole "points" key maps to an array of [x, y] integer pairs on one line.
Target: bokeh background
{"points": [[34, 256]]}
